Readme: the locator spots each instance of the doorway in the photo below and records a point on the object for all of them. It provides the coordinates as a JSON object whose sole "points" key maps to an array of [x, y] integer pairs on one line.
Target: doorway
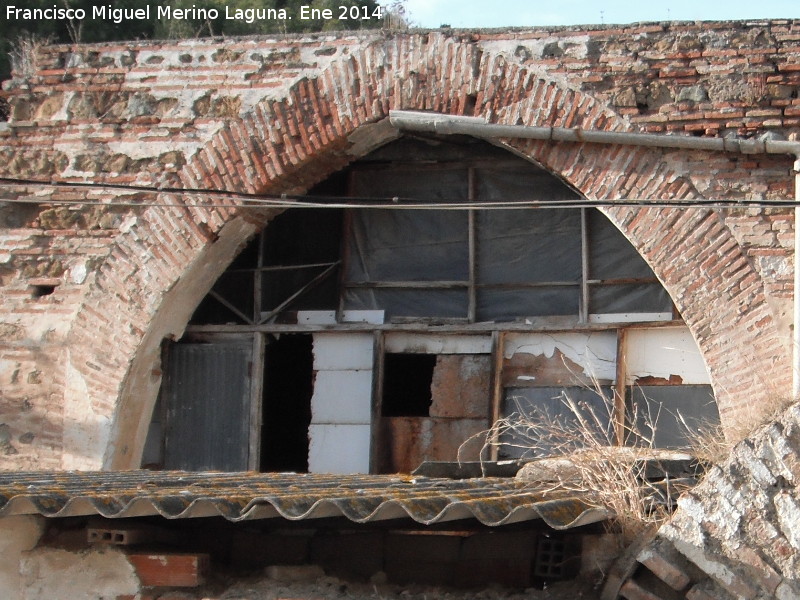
{"points": [[286, 410]]}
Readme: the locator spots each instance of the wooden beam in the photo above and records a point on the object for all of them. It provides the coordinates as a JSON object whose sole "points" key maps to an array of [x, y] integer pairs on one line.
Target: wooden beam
{"points": [[376, 442], [231, 307], [495, 404], [620, 387], [258, 280], [472, 194], [583, 308], [310, 285], [256, 402], [458, 327], [409, 285]]}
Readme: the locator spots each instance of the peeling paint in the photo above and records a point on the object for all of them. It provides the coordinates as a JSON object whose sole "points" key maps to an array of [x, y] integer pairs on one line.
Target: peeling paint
{"points": [[595, 353], [664, 353], [438, 344]]}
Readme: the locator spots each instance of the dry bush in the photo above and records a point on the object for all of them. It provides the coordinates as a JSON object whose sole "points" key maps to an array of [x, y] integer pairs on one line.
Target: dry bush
{"points": [[397, 17], [23, 53], [712, 443], [587, 461]]}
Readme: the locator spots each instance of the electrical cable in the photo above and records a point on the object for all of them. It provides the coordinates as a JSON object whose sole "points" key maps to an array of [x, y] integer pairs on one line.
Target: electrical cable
{"points": [[250, 200]]}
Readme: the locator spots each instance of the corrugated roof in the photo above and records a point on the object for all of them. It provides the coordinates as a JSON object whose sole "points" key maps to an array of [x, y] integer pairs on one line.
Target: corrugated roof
{"points": [[243, 496]]}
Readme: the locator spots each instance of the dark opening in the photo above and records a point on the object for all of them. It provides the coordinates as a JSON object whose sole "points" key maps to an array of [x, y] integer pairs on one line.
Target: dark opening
{"points": [[288, 386], [407, 382], [38, 291]]}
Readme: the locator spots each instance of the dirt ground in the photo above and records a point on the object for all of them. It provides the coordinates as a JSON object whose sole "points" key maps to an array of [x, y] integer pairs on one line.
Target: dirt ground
{"points": [[331, 588]]}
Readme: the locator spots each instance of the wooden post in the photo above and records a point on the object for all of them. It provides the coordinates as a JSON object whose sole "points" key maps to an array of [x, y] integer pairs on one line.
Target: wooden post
{"points": [[620, 387], [495, 405], [256, 402]]}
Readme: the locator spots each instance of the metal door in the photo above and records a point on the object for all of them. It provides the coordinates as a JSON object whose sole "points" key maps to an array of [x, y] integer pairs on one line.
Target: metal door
{"points": [[206, 394]]}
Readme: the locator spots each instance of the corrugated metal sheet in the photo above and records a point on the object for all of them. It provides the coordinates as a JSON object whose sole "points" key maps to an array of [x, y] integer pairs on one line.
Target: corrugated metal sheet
{"points": [[207, 389], [242, 496]]}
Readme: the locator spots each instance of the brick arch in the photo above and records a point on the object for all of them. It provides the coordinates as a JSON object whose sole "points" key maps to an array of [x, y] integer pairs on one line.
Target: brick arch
{"points": [[325, 122]]}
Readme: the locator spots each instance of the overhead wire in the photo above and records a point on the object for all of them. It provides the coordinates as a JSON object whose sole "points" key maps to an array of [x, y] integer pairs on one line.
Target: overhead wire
{"points": [[253, 200]]}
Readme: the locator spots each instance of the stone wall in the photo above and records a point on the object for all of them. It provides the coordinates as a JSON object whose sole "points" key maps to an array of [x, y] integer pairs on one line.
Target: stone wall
{"points": [[737, 534], [89, 289]]}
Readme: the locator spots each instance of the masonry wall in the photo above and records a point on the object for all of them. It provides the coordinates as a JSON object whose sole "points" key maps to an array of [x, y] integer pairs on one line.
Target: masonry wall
{"points": [[736, 534], [88, 290]]}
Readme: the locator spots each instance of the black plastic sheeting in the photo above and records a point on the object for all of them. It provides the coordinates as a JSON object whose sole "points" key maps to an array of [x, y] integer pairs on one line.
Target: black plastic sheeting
{"points": [[528, 262]]}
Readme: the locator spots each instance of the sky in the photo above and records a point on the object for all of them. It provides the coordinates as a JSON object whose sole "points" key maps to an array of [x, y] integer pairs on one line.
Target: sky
{"points": [[503, 13]]}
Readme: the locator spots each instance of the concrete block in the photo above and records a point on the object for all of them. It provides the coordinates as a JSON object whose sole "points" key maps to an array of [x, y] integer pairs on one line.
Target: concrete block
{"points": [[343, 397], [343, 351], [341, 449], [119, 536], [170, 570]]}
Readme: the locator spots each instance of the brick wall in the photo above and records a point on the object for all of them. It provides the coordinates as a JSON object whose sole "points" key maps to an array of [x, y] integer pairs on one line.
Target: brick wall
{"points": [[79, 367]]}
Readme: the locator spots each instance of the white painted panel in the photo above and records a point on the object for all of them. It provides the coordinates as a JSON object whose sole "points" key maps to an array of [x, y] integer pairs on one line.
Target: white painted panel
{"points": [[665, 351], [438, 344], [316, 317], [328, 317], [343, 351], [629, 317], [373, 317], [596, 352], [338, 449], [342, 397]]}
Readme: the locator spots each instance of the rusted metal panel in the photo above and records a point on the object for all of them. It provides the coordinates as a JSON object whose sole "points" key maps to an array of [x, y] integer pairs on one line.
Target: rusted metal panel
{"points": [[461, 386], [409, 441]]}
